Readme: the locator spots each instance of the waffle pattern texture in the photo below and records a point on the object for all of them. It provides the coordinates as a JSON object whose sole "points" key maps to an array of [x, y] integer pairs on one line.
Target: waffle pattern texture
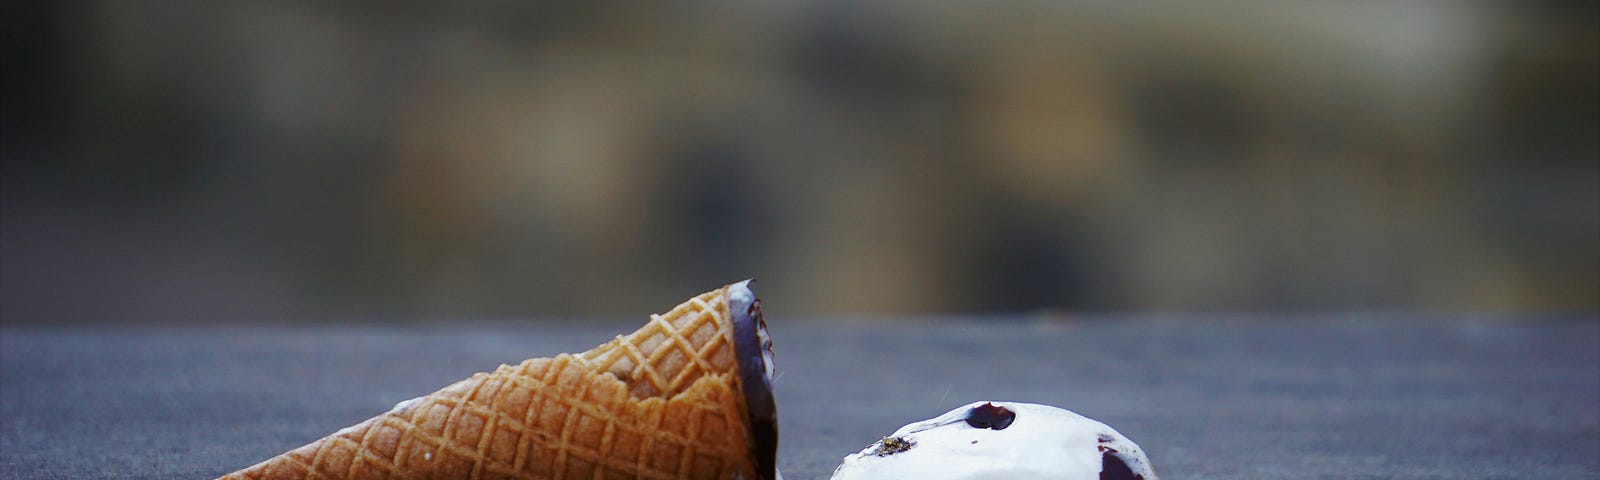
{"points": [[661, 403]]}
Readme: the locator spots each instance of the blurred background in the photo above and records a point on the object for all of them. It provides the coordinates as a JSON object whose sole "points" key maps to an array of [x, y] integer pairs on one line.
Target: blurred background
{"points": [[196, 161]]}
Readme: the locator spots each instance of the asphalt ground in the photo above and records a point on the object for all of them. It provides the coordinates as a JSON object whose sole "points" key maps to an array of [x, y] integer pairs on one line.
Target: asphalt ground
{"points": [[1208, 397]]}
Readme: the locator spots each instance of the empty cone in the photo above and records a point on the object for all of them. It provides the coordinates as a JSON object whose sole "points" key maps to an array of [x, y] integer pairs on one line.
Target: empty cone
{"points": [[688, 396]]}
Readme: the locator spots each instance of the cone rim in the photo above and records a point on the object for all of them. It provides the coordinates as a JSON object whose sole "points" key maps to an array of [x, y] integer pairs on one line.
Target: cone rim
{"points": [[753, 348]]}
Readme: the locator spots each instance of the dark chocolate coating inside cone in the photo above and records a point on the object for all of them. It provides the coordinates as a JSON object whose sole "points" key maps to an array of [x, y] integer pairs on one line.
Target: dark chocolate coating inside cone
{"points": [[750, 348]]}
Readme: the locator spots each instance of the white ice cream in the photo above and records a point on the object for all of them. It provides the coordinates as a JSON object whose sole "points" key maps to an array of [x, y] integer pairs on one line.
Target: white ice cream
{"points": [[1040, 442]]}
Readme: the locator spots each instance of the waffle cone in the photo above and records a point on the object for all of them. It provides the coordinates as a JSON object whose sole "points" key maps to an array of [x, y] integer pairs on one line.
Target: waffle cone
{"points": [[672, 400]]}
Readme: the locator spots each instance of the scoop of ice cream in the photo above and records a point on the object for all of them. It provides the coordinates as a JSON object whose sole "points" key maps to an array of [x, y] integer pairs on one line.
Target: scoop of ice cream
{"points": [[1001, 440]]}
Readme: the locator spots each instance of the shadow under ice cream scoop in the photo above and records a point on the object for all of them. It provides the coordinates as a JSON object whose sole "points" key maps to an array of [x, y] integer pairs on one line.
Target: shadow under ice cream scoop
{"points": [[1001, 440]]}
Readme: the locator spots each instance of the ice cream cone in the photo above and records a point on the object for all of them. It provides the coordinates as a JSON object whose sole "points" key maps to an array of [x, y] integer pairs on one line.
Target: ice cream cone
{"points": [[688, 396]]}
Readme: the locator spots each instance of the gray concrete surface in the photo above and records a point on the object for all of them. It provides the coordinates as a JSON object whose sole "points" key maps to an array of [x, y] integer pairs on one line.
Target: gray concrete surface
{"points": [[1207, 397]]}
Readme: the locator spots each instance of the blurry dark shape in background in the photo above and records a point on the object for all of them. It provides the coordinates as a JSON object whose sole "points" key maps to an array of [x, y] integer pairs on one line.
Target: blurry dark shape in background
{"points": [[197, 161]]}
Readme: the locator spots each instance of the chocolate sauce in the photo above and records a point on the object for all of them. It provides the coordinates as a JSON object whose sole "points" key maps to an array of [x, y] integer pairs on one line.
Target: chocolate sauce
{"points": [[990, 416], [1113, 468]]}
